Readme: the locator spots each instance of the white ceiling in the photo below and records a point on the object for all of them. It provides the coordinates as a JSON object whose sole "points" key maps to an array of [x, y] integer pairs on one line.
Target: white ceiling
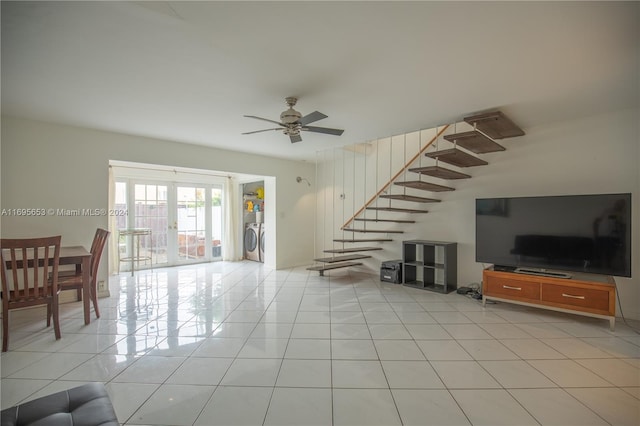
{"points": [[189, 71]]}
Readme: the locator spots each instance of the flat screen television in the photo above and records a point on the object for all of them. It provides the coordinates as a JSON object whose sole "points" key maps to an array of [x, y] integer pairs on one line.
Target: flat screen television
{"points": [[582, 233]]}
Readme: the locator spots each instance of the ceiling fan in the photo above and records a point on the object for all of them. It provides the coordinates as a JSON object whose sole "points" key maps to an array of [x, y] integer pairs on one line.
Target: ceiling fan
{"points": [[292, 123]]}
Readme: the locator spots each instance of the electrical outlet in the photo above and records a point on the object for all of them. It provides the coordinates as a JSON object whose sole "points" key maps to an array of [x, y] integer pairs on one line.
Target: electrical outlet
{"points": [[102, 286]]}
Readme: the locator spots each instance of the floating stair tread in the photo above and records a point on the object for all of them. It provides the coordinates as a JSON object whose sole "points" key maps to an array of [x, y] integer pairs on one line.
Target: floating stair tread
{"points": [[495, 124], [352, 249], [384, 220], [333, 266], [334, 259], [364, 240], [397, 209], [373, 231], [457, 158], [475, 141], [440, 172], [425, 186], [412, 198]]}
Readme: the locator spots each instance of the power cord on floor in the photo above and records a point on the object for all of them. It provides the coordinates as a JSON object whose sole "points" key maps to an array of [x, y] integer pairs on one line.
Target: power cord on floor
{"points": [[471, 291], [621, 313], [476, 292]]}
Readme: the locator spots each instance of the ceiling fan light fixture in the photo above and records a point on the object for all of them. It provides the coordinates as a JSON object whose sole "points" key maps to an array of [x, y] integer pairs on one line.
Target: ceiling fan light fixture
{"points": [[292, 130]]}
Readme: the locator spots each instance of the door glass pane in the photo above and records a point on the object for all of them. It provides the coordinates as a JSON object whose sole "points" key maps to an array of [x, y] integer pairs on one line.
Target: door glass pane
{"points": [[191, 223], [140, 192], [121, 220], [216, 222], [121, 204], [151, 212]]}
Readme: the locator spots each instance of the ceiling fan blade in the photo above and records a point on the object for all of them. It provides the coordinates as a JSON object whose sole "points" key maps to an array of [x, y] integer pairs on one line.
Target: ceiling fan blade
{"points": [[295, 138], [265, 119], [325, 130], [310, 118], [258, 131]]}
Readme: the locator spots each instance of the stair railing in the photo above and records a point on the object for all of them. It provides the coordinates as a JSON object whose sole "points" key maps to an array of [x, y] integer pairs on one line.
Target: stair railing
{"points": [[394, 177]]}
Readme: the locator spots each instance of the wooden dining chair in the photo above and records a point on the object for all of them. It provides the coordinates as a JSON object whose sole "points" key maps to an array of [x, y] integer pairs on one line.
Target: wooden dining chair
{"points": [[69, 280], [36, 257]]}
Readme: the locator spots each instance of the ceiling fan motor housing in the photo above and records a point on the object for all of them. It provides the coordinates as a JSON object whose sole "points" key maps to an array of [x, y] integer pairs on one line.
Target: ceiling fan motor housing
{"points": [[290, 116]]}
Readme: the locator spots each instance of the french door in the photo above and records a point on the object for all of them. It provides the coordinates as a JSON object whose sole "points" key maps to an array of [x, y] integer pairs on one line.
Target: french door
{"points": [[185, 222], [198, 223]]}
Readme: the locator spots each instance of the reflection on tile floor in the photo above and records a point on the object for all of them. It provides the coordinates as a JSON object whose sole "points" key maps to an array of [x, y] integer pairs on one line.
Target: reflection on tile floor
{"points": [[237, 343]]}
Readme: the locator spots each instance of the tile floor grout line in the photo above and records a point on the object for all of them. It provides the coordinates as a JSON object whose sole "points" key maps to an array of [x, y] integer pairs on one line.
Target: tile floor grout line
{"points": [[333, 420], [273, 390], [244, 282]]}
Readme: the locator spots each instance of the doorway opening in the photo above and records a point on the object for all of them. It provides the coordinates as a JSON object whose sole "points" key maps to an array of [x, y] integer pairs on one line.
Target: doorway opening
{"points": [[176, 216]]}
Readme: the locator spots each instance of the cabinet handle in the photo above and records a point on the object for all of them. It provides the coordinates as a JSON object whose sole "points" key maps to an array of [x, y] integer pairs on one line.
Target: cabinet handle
{"points": [[572, 296], [512, 288]]}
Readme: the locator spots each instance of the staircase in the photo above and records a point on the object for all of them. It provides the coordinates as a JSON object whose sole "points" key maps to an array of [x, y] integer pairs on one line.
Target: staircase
{"points": [[486, 129]]}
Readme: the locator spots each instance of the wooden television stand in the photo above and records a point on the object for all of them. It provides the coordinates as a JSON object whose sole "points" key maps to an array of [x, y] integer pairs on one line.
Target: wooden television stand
{"points": [[583, 294]]}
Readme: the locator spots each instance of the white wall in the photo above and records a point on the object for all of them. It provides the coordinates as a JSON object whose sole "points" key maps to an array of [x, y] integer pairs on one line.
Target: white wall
{"points": [[593, 155], [48, 165]]}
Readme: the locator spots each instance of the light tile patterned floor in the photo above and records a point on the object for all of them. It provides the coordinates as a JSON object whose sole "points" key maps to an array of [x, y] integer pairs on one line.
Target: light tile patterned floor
{"points": [[238, 343]]}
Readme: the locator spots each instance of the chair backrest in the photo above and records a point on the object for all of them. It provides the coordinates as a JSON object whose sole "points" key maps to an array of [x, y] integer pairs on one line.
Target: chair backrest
{"points": [[97, 247], [36, 257]]}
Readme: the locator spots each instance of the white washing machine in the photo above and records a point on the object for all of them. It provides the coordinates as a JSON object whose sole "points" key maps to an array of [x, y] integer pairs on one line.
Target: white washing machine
{"points": [[252, 241], [261, 242]]}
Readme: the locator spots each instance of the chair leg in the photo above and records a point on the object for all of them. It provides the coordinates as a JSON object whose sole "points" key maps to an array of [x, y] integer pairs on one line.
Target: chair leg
{"points": [[56, 318], [94, 299], [48, 314], [5, 330], [79, 293]]}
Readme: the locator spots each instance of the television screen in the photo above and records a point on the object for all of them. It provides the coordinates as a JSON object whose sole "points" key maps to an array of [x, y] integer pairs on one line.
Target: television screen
{"points": [[584, 233]]}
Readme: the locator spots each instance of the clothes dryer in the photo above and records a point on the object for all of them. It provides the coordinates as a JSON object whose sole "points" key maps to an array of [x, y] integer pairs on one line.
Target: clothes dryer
{"points": [[261, 243], [251, 241]]}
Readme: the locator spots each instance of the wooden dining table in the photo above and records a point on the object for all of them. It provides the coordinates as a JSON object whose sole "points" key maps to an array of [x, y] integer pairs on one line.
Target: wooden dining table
{"points": [[81, 258]]}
